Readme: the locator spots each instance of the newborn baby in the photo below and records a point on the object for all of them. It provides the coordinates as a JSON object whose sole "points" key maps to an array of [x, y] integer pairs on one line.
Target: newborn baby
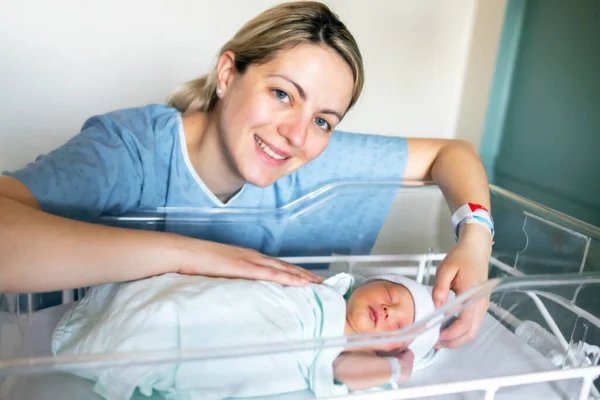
{"points": [[178, 312]]}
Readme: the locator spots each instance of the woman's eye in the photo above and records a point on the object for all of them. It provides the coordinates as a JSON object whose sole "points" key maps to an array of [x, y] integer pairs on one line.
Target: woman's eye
{"points": [[322, 123], [281, 95]]}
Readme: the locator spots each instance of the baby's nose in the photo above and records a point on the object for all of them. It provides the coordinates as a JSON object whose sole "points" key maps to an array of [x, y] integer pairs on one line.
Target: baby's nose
{"points": [[386, 311], [393, 311]]}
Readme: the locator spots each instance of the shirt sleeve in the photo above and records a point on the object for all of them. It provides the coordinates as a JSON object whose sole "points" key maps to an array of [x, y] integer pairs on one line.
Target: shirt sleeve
{"points": [[98, 171]]}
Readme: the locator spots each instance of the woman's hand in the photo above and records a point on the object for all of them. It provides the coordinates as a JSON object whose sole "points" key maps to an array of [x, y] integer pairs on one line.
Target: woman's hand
{"points": [[226, 261], [464, 267], [456, 168]]}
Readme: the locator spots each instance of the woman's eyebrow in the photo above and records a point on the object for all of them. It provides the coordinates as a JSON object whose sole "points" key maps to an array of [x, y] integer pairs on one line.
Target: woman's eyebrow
{"points": [[298, 87], [303, 94], [332, 112]]}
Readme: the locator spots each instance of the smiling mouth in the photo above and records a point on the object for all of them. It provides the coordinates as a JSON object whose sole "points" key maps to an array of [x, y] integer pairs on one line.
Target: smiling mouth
{"points": [[267, 150]]}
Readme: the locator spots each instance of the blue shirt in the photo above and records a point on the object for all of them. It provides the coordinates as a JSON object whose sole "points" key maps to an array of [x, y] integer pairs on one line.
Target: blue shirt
{"points": [[137, 158]]}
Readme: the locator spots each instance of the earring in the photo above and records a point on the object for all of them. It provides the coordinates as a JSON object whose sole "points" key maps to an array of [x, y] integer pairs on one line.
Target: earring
{"points": [[219, 92]]}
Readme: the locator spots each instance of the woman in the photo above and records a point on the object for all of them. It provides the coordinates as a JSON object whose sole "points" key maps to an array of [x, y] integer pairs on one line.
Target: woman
{"points": [[246, 132]]}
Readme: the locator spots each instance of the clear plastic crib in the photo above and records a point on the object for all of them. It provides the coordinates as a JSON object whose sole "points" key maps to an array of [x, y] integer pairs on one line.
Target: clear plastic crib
{"points": [[539, 340]]}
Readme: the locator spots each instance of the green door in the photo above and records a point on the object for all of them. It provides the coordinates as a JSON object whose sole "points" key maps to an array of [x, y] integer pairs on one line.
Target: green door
{"points": [[542, 134]]}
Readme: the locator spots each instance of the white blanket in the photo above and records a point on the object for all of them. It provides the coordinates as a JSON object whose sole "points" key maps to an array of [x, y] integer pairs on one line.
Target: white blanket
{"points": [[182, 312]]}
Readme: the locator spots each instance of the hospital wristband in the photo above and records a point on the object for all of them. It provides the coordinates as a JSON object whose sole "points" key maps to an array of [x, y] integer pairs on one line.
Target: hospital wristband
{"points": [[472, 213], [396, 371]]}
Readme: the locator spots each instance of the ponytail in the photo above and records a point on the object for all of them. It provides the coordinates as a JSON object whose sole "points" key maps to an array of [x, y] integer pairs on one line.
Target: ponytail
{"points": [[195, 95]]}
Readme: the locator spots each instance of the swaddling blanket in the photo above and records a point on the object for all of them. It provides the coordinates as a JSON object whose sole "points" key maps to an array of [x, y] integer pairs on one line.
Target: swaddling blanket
{"points": [[174, 312]]}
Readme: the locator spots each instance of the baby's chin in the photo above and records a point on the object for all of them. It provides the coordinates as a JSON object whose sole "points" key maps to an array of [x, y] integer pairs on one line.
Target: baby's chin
{"points": [[390, 349], [387, 349], [355, 327]]}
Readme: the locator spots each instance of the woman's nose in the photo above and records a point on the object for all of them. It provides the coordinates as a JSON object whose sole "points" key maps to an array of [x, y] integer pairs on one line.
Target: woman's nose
{"points": [[295, 130]]}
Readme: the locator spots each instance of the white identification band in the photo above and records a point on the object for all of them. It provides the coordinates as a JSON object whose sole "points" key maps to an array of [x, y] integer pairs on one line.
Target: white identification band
{"points": [[396, 371], [471, 213]]}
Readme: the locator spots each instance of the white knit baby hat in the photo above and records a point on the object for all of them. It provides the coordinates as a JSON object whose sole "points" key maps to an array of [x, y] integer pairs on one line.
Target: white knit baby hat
{"points": [[422, 297]]}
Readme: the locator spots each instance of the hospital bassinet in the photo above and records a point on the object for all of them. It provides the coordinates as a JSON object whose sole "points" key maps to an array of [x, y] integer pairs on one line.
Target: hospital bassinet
{"points": [[538, 340]]}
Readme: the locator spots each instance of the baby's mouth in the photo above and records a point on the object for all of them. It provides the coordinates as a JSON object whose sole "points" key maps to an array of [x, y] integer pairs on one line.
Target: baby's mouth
{"points": [[373, 315]]}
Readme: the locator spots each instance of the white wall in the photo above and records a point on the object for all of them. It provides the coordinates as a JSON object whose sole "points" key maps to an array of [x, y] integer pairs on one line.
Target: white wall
{"points": [[479, 69], [65, 60]]}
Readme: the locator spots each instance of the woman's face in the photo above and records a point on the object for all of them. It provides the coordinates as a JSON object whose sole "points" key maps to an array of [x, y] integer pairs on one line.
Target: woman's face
{"points": [[380, 306], [278, 116]]}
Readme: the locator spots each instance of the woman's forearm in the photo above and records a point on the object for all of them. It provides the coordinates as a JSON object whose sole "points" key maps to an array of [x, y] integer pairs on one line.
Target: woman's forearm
{"points": [[454, 165], [457, 169], [43, 252], [459, 173]]}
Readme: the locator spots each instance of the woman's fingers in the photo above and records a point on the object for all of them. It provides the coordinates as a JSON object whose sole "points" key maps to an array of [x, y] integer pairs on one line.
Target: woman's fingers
{"points": [[272, 274], [288, 267], [444, 277], [466, 327], [463, 268]]}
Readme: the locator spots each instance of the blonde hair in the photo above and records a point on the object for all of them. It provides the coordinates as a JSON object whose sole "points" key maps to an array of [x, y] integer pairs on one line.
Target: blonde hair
{"points": [[279, 28]]}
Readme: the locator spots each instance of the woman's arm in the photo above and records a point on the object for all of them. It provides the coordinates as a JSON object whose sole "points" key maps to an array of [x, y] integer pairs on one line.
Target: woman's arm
{"points": [[43, 252], [457, 169]]}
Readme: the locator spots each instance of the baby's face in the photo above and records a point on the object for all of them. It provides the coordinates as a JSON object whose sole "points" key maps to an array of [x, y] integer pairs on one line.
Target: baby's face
{"points": [[380, 306]]}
